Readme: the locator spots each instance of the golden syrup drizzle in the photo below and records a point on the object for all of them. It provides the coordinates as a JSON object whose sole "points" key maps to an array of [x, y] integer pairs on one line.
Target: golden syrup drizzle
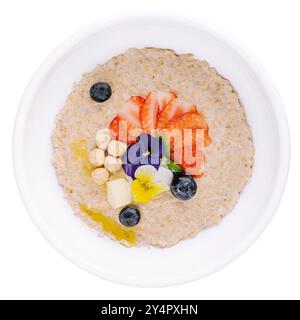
{"points": [[80, 153], [109, 225]]}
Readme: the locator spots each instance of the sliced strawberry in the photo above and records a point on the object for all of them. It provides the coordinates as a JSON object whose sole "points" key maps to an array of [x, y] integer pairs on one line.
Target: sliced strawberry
{"points": [[164, 98], [131, 110], [207, 138], [190, 120], [194, 169], [114, 127], [148, 112], [187, 147], [193, 153], [175, 108], [123, 130], [126, 126]]}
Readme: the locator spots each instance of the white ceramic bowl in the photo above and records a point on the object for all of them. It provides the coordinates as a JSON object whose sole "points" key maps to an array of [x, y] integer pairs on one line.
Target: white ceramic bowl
{"points": [[190, 259]]}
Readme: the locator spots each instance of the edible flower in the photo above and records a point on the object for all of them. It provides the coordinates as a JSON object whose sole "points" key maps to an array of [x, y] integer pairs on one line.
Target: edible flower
{"points": [[146, 151], [145, 187]]}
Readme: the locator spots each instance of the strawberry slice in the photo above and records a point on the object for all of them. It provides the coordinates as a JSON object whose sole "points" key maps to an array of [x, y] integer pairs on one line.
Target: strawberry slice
{"points": [[193, 154], [123, 130], [126, 126], [190, 152], [148, 112], [196, 169], [190, 120], [173, 109], [164, 98], [114, 127], [131, 110]]}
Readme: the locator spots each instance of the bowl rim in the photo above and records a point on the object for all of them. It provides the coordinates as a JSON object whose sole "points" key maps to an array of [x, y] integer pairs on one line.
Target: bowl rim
{"points": [[271, 91]]}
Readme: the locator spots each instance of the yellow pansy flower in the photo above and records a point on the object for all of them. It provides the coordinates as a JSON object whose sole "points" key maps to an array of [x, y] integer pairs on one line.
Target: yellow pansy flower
{"points": [[145, 187]]}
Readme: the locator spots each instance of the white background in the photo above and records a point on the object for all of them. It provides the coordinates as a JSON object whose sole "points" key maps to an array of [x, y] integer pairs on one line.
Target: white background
{"points": [[29, 267]]}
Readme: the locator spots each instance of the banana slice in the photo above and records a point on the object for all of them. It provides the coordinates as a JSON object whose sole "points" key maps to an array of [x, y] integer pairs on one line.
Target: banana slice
{"points": [[118, 193]]}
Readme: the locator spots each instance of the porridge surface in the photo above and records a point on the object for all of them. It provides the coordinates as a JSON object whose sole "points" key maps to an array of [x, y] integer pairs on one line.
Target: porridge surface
{"points": [[229, 159]]}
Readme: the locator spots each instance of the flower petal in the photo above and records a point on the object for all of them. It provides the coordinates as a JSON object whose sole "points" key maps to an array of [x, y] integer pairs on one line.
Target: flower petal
{"points": [[132, 155], [161, 187], [146, 172], [155, 162], [144, 142], [139, 193], [147, 151], [144, 195], [156, 147], [130, 169], [164, 175]]}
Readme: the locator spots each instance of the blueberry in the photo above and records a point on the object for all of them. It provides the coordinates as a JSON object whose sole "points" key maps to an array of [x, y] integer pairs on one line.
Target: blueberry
{"points": [[100, 91], [183, 187], [129, 216]]}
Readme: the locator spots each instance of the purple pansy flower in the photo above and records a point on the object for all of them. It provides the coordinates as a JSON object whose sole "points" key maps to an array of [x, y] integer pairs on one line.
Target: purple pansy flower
{"points": [[147, 150]]}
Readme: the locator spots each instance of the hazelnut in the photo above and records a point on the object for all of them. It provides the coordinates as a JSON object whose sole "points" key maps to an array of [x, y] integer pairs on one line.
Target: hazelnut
{"points": [[117, 148], [112, 164], [100, 176]]}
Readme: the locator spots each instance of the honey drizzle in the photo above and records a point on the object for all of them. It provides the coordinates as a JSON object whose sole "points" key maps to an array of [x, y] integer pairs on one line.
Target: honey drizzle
{"points": [[80, 152], [109, 225]]}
